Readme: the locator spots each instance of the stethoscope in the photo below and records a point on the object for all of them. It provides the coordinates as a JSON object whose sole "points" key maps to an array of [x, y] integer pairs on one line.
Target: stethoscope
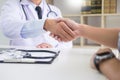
{"points": [[13, 55], [51, 12]]}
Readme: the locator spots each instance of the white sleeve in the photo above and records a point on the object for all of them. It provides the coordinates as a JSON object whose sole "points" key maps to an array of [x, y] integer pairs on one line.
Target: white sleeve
{"points": [[33, 29], [119, 42], [118, 56], [12, 23]]}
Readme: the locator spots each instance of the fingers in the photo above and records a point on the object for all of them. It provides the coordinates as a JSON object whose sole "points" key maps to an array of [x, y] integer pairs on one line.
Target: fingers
{"points": [[52, 35], [68, 30], [63, 33], [44, 45], [55, 37], [60, 29], [61, 19], [70, 23], [66, 33]]}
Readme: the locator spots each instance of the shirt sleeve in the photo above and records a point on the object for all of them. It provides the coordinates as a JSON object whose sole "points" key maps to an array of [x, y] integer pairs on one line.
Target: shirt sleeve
{"points": [[33, 29], [118, 56], [119, 42]]}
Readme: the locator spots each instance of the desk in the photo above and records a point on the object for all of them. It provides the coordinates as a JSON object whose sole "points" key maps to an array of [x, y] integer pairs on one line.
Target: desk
{"points": [[71, 64]]}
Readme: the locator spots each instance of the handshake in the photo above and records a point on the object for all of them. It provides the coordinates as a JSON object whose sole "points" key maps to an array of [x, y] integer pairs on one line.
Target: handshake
{"points": [[63, 29]]}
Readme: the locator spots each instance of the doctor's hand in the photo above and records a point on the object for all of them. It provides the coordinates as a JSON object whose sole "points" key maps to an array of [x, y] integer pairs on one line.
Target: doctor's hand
{"points": [[44, 45], [59, 29], [75, 27]]}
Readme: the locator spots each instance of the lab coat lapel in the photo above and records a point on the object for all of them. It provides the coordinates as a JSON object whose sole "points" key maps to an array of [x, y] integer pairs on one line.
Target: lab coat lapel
{"points": [[24, 2], [34, 14], [45, 10], [30, 10]]}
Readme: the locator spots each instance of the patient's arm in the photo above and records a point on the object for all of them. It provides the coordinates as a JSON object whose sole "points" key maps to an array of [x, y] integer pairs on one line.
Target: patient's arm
{"points": [[110, 68]]}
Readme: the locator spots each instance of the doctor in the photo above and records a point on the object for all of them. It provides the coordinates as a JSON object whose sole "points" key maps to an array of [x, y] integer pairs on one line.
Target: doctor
{"points": [[27, 23]]}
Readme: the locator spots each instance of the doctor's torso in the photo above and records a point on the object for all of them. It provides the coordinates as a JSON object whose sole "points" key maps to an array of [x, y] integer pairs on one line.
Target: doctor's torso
{"points": [[14, 11]]}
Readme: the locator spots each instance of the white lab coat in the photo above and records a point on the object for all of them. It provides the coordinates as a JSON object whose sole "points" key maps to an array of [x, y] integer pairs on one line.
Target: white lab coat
{"points": [[12, 21]]}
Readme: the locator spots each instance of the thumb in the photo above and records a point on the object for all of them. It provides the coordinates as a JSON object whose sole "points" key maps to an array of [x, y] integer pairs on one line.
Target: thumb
{"points": [[70, 23], [67, 21], [60, 19]]}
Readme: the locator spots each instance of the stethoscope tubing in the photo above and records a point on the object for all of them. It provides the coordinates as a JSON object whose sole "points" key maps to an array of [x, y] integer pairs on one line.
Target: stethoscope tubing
{"points": [[50, 11], [45, 51]]}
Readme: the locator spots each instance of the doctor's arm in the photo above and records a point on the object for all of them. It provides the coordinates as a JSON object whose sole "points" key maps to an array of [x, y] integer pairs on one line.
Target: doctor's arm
{"points": [[15, 26], [60, 29]]}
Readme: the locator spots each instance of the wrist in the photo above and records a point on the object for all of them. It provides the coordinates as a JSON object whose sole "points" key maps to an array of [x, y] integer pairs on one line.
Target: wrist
{"points": [[81, 30], [106, 64], [48, 24], [102, 58]]}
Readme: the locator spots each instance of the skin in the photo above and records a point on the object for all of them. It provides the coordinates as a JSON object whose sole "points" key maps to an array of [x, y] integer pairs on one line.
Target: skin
{"points": [[59, 29], [110, 68], [44, 45], [106, 36], [37, 2]]}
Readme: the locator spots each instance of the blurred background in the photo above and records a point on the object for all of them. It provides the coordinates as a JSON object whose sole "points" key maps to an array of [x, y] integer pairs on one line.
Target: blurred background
{"points": [[3, 39]]}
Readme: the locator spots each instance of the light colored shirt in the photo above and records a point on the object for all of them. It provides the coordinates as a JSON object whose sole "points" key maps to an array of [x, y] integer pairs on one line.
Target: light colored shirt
{"points": [[118, 56], [29, 31]]}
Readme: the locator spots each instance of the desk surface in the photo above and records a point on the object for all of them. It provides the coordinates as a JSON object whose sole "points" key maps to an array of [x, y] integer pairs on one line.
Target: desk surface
{"points": [[73, 64]]}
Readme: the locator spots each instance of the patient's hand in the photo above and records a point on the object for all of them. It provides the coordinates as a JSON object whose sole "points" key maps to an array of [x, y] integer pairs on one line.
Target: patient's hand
{"points": [[44, 45], [75, 27]]}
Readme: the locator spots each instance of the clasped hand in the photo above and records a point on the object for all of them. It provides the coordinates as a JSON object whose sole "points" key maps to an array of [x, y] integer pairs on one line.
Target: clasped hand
{"points": [[63, 29]]}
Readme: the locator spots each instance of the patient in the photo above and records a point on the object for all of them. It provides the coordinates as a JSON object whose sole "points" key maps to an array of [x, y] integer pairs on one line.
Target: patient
{"points": [[104, 60]]}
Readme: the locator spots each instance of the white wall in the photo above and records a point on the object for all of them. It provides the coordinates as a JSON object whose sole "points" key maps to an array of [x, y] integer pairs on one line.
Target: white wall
{"points": [[66, 7], [3, 39], [2, 2]]}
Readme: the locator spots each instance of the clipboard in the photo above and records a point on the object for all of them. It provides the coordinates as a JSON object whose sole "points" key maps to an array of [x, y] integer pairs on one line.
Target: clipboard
{"points": [[13, 55]]}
